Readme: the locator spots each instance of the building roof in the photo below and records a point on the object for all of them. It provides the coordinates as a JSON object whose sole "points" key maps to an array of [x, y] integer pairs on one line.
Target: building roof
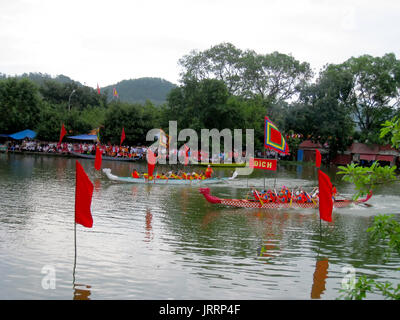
{"points": [[23, 134], [309, 144], [362, 148]]}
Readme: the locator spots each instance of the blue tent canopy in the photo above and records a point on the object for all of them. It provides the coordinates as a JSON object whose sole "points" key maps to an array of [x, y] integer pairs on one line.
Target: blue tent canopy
{"points": [[23, 134], [91, 137]]}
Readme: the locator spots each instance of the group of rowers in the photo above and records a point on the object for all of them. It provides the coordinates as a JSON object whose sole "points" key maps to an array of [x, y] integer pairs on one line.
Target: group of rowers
{"points": [[179, 175], [285, 195]]}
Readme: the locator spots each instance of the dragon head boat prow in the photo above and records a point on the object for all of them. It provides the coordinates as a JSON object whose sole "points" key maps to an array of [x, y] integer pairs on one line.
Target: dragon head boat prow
{"points": [[208, 196]]}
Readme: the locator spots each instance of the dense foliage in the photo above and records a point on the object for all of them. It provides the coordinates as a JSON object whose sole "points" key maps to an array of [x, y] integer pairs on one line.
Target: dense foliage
{"points": [[385, 229], [221, 87]]}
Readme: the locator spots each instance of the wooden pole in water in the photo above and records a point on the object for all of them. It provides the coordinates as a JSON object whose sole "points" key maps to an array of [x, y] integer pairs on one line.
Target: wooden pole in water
{"points": [[73, 275]]}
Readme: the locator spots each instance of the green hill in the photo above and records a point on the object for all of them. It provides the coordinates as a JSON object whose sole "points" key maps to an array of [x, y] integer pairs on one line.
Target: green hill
{"points": [[40, 78], [133, 90], [140, 90]]}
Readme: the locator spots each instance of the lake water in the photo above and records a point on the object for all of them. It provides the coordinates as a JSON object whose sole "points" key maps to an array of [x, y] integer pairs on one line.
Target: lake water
{"points": [[167, 242]]}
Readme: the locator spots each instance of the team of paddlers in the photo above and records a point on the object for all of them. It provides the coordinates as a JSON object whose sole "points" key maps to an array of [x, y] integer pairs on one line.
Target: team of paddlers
{"points": [[285, 195], [179, 175]]}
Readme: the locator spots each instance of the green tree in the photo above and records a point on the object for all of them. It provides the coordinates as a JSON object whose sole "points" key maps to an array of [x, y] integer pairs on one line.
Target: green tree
{"points": [[136, 120], [20, 105], [321, 115], [275, 76], [221, 62], [374, 95], [202, 104]]}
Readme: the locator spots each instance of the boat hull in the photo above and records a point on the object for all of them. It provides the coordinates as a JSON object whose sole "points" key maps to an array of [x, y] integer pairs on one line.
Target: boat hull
{"points": [[243, 203], [112, 177], [222, 165], [91, 156]]}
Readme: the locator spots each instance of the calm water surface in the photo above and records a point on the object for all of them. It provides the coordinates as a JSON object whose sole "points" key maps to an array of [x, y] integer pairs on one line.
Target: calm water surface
{"points": [[167, 242]]}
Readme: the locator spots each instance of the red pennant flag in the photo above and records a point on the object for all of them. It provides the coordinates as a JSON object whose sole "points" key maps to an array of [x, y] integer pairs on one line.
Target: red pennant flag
{"points": [[325, 197], [317, 158], [62, 133], [122, 136], [151, 162], [83, 197], [98, 89], [97, 161], [186, 148]]}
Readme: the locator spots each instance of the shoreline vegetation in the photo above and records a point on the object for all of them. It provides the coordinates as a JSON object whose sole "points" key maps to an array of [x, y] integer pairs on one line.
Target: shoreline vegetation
{"points": [[70, 155], [222, 87]]}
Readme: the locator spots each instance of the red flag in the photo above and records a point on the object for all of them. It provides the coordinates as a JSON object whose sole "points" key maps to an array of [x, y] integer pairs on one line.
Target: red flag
{"points": [[62, 133], [325, 196], [122, 136], [186, 148], [83, 197], [97, 161], [317, 158], [151, 162], [98, 89]]}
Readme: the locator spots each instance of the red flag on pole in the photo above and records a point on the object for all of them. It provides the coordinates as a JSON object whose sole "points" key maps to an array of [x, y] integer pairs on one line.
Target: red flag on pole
{"points": [[62, 133], [273, 139], [317, 158], [97, 161], [98, 89], [83, 197], [151, 162], [325, 197], [122, 136], [186, 148]]}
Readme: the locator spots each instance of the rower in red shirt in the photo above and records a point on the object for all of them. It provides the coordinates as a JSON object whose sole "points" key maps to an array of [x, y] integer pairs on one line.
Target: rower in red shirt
{"points": [[135, 174], [209, 172]]}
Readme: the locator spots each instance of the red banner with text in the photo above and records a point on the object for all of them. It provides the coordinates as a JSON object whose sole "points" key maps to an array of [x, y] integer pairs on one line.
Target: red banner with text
{"points": [[265, 164]]}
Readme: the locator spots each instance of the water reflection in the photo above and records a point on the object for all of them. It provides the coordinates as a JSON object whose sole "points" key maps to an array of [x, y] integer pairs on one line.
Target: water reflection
{"points": [[149, 232], [203, 251], [97, 185], [319, 278], [82, 292]]}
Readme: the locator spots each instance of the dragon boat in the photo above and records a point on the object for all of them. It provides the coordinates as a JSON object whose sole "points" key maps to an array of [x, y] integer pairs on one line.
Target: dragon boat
{"points": [[113, 177], [257, 203], [91, 156]]}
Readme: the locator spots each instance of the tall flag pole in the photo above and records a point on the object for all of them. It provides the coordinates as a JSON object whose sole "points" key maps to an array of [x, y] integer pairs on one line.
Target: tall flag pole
{"points": [[83, 201], [274, 140]]}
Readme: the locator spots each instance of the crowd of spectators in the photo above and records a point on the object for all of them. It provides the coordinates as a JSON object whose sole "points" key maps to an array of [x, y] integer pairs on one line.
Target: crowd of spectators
{"points": [[134, 152], [137, 152]]}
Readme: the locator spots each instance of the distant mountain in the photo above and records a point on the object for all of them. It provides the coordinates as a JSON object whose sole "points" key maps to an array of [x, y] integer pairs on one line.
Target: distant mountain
{"points": [[140, 90], [133, 90]]}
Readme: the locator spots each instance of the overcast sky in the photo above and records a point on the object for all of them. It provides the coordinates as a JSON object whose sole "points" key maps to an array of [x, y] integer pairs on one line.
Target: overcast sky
{"points": [[106, 41]]}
